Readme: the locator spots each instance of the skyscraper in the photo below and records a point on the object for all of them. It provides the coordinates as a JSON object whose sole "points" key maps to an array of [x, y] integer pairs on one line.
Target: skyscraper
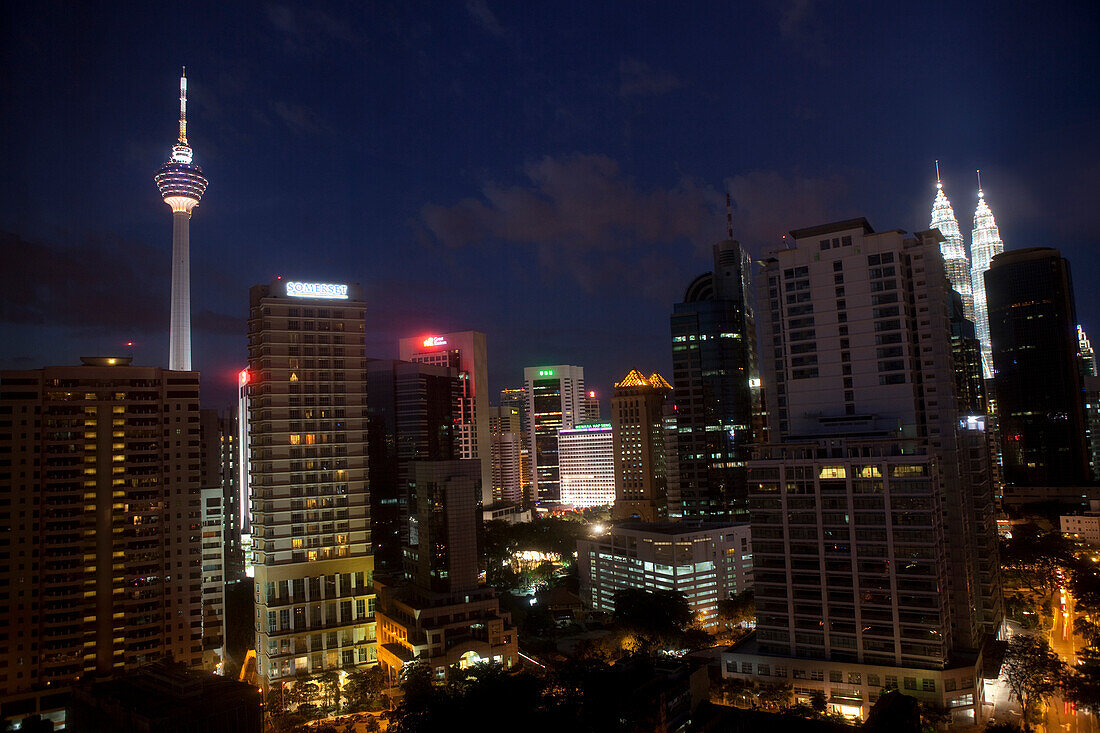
{"points": [[586, 465], [412, 409], [716, 382], [955, 261], [1033, 327], [181, 185], [637, 420], [310, 496], [101, 568], [985, 244], [555, 400], [440, 615], [506, 454], [464, 350], [871, 507], [517, 398]]}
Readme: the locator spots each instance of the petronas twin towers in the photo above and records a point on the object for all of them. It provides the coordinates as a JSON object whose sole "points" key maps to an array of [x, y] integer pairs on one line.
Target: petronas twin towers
{"points": [[966, 274]]}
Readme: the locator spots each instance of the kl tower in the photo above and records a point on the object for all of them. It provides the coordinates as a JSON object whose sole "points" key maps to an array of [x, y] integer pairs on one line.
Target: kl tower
{"points": [[181, 184]]}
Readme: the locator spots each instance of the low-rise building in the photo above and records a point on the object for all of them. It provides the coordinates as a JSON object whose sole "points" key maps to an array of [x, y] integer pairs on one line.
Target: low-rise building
{"points": [[1084, 527], [851, 688], [706, 561]]}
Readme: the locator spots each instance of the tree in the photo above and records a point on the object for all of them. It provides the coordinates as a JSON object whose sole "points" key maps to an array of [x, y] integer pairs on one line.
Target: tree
{"points": [[1032, 671], [1082, 685], [656, 618], [894, 712], [364, 687], [330, 688], [818, 701], [302, 692], [737, 610], [774, 695]]}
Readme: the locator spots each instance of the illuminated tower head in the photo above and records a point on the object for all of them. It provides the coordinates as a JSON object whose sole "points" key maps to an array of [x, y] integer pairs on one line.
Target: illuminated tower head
{"points": [[181, 183]]}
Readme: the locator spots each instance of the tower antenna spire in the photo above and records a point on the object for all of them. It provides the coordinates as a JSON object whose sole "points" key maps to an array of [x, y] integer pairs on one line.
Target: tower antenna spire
{"points": [[183, 106], [939, 183], [729, 216], [981, 194]]}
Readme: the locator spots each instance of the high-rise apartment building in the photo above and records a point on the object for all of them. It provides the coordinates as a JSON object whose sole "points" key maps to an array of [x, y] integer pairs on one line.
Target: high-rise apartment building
{"points": [[411, 410], [586, 465], [213, 577], [506, 454], [181, 185], [1033, 328], [985, 244], [638, 424], [874, 544], [554, 400], [717, 387], [465, 351], [307, 474], [440, 615], [101, 566]]}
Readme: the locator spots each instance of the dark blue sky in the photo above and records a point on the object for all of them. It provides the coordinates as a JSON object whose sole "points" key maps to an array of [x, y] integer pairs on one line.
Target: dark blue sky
{"points": [[550, 173]]}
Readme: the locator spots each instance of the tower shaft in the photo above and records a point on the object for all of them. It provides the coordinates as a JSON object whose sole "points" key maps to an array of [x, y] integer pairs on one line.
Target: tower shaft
{"points": [[179, 350]]}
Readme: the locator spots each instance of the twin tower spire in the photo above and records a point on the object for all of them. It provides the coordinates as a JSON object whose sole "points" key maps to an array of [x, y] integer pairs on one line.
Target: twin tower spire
{"points": [[967, 274]]}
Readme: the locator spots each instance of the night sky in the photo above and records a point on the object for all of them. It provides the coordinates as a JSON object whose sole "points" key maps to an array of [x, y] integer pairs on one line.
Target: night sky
{"points": [[552, 174]]}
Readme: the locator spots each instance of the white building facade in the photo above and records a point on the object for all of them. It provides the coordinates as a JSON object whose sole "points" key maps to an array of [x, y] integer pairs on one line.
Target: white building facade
{"points": [[706, 561], [586, 464]]}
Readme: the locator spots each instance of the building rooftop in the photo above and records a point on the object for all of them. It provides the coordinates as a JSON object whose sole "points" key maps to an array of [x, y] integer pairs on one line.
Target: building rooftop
{"points": [[674, 528]]}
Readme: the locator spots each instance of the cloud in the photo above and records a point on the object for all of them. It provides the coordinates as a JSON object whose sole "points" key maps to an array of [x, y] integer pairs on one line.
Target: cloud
{"points": [[637, 78], [300, 120], [305, 26], [484, 17], [97, 284], [768, 204], [591, 223]]}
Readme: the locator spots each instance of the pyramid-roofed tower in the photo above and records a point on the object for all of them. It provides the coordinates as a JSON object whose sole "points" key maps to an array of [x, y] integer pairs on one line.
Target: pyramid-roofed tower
{"points": [[953, 248], [985, 244]]}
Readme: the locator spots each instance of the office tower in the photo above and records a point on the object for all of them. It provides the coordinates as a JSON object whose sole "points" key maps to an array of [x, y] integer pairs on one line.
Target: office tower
{"points": [[717, 387], [874, 548], [672, 460], [1033, 327], [554, 400], [441, 616], [517, 398], [1091, 384], [229, 456], [464, 350], [586, 464], [505, 453], [955, 261], [985, 244], [591, 407], [713, 562], [307, 472], [637, 419], [181, 185], [213, 578], [101, 567], [412, 409]]}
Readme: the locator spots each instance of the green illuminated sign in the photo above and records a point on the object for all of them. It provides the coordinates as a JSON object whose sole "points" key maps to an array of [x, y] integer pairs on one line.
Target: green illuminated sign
{"points": [[546, 372]]}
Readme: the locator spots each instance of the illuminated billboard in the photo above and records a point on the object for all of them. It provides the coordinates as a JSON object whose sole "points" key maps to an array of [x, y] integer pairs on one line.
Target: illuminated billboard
{"points": [[330, 291]]}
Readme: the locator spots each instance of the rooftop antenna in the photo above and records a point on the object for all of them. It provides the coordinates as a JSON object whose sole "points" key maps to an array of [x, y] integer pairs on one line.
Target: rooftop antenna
{"points": [[729, 216], [939, 183], [183, 106], [981, 194]]}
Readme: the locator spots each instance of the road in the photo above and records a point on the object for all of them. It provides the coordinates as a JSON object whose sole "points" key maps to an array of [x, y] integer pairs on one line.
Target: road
{"points": [[1062, 715]]}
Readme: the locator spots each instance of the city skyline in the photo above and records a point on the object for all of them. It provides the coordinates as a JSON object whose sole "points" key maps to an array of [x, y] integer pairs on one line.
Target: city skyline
{"points": [[440, 217]]}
